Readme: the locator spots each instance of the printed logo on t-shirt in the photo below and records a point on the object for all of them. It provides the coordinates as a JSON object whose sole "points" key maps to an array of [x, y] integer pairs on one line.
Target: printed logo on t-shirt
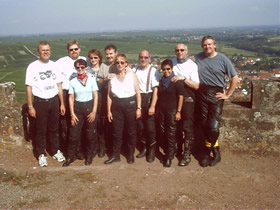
{"points": [[47, 74]]}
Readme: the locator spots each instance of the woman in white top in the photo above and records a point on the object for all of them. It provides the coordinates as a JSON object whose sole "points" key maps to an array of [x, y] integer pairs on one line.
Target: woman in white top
{"points": [[123, 109]]}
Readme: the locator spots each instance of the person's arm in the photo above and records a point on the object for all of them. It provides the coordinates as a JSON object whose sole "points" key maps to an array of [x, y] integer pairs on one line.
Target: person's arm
{"points": [[179, 107], [92, 115], [152, 107], [74, 119], [192, 84], [138, 96], [226, 94], [109, 104], [31, 110], [60, 95]]}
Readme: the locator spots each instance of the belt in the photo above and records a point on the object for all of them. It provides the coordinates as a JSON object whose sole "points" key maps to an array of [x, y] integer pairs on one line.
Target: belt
{"points": [[38, 99]]}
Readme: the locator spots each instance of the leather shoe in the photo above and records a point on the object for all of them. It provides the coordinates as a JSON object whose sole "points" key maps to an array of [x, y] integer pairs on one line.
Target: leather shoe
{"points": [[130, 159], [142, 153], [167, 163], [101, 153], [88, 161], [68, 162], [112, 159]]}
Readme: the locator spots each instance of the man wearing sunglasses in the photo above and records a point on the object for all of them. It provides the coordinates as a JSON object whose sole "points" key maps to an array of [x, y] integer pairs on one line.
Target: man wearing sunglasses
{"points": [[148, 78], [65, 66], [185, 69]]}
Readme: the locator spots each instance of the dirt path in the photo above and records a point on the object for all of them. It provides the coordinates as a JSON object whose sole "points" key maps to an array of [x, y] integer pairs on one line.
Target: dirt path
{"points": [[239, 181]]}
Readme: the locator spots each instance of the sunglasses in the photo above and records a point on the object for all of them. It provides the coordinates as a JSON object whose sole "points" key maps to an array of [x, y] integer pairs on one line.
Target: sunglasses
{"points": [[120, 62], [73, 49], [178, 50], [143, 57], [80, 67], [95, 57], [166, 69]]}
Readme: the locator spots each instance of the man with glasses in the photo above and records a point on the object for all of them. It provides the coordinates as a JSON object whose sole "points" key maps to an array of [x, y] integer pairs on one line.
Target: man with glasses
{"points": [[44, 83], [148, 78], [185, 69], [65, 66]]}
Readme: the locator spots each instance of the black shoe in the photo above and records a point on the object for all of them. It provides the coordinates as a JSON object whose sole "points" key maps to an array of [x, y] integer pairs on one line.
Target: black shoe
{"points": [[186, 160], [205, 161], [101, 153], [112, 159], [142, 153], [88, 161], [151, 154], [216, 156], [130, 159], [68, 162], [167, 163]]}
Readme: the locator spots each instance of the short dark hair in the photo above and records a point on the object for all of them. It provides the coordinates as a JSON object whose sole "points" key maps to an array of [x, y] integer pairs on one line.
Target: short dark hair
{"points": [[111, 46], [81, 62], [207, 37], [167, 62], [96, 52]]}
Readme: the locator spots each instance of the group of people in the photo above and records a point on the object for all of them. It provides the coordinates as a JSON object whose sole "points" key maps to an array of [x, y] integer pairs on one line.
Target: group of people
{"points": [[84, 107]]}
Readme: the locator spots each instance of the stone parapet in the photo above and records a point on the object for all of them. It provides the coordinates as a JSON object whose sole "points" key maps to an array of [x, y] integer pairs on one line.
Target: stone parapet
{"points": [[253, 126]]}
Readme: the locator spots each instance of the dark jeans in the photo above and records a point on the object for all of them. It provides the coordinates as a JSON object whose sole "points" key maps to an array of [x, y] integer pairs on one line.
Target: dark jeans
{"points": [[210, 111], [82, 110], [46, 122], [124, 117], [146, 124], [64, 122], [167, 131]]}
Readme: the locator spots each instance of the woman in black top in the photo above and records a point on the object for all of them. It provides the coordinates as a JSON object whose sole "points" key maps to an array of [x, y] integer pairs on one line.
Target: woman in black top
{"points": [[170, 102]]}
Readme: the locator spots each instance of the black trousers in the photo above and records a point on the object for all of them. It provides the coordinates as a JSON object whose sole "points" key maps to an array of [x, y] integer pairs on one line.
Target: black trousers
{"points": [[46, 123], [124, 119], [82, 110], [210, 109], [146, 124], [167, 131]]}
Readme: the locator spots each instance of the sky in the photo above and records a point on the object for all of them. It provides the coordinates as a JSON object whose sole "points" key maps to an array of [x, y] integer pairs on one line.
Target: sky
{"points": [[27, 17]]}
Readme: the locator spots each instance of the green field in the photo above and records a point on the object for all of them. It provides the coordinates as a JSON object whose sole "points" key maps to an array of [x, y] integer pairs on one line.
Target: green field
{"points": [[14, 57]]}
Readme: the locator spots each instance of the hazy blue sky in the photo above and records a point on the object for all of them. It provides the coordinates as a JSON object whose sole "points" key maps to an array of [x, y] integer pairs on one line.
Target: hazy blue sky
{"points": [[55, 16]]}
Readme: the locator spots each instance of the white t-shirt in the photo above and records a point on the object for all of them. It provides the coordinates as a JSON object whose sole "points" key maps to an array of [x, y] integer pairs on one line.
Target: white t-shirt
{"points": [[66, 68], [43, 79], [83, 93], [142, 76], [124, 89], [187, 69]]}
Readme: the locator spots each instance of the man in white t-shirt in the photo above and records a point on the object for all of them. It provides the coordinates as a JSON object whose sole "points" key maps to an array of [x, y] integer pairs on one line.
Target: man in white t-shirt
{"points": [[185, 69], [65, 66], [148, 77], [44, 83]]}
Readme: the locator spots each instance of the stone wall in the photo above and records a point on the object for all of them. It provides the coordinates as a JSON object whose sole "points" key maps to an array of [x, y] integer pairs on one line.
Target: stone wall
{"points": [[11, 126], [248, 126], [254, 126]]}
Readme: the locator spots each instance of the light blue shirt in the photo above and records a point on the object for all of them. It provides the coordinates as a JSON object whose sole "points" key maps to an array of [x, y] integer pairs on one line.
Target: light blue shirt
{"points": [[83, 93]]}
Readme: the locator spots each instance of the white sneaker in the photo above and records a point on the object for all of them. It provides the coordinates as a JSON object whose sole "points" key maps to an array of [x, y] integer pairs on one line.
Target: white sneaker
{"points": [[59, 156], [43, 160]]}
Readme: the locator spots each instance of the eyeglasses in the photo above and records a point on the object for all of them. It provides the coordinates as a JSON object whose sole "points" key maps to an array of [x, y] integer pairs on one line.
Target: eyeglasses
{"points": [[166, 69], [178, 50], [95, 57], [143, 57], [73, 49], [120, 62], [80, 67]]}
